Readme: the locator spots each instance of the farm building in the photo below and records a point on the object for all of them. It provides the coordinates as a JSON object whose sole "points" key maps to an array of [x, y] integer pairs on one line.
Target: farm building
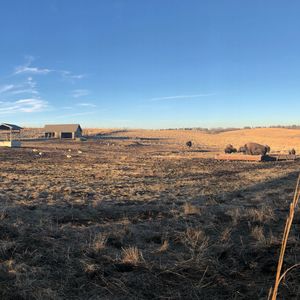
{"points": [[10, 135], [63, 131]]}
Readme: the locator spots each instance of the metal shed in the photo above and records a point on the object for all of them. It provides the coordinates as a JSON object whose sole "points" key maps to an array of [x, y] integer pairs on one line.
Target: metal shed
{"points": [[63, 131], [10, 135]]}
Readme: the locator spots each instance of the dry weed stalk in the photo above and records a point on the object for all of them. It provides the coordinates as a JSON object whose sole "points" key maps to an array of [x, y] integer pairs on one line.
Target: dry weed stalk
{"points": [[287, 229]]}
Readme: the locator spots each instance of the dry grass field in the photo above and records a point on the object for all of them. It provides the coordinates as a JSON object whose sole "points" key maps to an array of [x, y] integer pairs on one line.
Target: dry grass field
{"points": [[279, 139], [137, 215]]}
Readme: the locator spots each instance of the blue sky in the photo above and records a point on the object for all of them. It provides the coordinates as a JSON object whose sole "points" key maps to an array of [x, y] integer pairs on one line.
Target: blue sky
{"points": [[150, 64]]}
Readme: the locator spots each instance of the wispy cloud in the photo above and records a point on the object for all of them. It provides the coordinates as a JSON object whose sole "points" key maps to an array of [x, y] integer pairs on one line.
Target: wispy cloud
{"points": [[31, 105], [30, 87], [22, 94], [31, 70], [26, 87], [182, 97], [21, 97], [80, 93], [28, 105], [71, 76], [86, 104], [24, 91], [28, 68], [6, 88]]}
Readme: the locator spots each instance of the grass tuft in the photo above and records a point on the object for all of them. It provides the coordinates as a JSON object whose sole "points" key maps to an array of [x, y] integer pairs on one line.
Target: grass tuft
{"points": [[164, 247], [258, 234], [190, 209], [132, 255]]}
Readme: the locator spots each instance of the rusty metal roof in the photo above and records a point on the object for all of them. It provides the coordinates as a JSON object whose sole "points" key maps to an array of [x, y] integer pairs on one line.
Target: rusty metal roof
{"points": [[62, 128]]}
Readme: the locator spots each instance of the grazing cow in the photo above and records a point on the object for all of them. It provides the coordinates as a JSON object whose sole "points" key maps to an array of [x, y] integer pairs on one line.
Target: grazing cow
{"points": [[189, 144], [230, 149], [292, 152], [255, 149]]}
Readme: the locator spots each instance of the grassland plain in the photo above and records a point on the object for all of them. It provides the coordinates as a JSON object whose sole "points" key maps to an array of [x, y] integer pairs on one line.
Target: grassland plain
{"points": [[140, 216], [280, 139]]}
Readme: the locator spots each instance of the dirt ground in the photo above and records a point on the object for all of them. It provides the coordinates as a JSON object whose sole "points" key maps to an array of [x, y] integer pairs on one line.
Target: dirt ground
{"points": [[142, 218]]}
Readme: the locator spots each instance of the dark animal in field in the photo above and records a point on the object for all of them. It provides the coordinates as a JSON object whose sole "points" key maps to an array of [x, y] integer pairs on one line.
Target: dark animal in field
{"points": [[242, 149], [189, 144], [230, 149], [292, 152], [255, 149]]}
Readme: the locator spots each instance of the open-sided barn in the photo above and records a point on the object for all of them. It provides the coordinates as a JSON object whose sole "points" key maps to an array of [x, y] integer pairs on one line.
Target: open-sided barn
{"points": [[63, 131], [10, 135]]}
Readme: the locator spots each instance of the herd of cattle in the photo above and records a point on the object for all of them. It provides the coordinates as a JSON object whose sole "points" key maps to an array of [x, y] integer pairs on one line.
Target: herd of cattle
{"points": [[249, 149], [253, 149]]}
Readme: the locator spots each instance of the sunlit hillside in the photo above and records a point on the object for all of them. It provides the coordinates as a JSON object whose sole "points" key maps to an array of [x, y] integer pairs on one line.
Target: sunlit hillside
{"points": [[279, 139]]}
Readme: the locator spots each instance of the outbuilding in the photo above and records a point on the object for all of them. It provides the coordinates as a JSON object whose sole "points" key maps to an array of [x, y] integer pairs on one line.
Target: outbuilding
{"points": [[10, 135], [63, 131]]}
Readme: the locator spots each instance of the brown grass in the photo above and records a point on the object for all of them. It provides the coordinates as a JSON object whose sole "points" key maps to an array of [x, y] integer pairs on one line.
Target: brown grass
{"points": [[132, 255], [263, 214], [164, 247], [190, 209], [279, 139], [258, 234], [143, 217], [99, 242]]}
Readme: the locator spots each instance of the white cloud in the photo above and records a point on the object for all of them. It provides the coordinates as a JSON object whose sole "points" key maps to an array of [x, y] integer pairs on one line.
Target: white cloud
{"points": [[80, 93], [27, 68], [25, 91], [27, 87], [31, 82], [85, 104], [32, 70], [70, 76], [6, 88], [22, 95], [177, 97], [29, 105]]}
